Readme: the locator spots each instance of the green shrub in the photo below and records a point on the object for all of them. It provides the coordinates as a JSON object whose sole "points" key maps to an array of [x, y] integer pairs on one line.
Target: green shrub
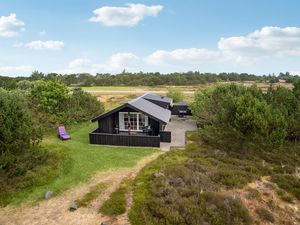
{"points": [[20, 156], [17, 131], [253, 194], [175, 94], [265, 214], [238, 118], [48, 95], [34, 168], [53, 106], [288, 182], [232, 177], [81, 106]]}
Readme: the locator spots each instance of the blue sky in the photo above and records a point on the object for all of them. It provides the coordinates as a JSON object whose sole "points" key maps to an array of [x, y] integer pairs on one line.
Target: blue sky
{"points": [[254, 36]]}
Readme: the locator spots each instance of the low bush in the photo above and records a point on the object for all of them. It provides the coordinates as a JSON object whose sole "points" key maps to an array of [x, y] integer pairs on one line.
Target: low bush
{"points": [[117, 203], [80, 106], [179, 189], [253, 194], [265, 214], [35, 168], [284, 196], [175, 94], [288, 182], [184, 187]]}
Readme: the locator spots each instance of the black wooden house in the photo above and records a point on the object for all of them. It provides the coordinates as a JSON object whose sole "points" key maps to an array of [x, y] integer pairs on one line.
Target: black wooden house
{"points": [[139, 122]]}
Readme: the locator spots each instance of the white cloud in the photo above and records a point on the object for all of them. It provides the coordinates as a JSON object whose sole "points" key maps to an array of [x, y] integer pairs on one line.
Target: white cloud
{"points": [[16, 70], [80, 63], [45, 45], [269, 41], [245, 50], [120, 60], [130, 15], [116, 63], [182, 56], [10, 26]]}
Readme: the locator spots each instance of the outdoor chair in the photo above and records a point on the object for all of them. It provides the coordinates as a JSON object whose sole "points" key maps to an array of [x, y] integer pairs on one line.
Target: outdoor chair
{"points": [[62, 133]]}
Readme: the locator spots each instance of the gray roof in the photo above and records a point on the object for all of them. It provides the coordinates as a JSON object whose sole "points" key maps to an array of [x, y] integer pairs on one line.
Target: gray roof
{"points": [[144, 106], [155, 97], [151, 109]]}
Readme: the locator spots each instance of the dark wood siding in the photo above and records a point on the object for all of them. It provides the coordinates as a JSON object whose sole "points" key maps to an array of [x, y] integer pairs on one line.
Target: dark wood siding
{"points": [[124, 140], [154, 125], [176, 108], [165, 136], [106, 124]]}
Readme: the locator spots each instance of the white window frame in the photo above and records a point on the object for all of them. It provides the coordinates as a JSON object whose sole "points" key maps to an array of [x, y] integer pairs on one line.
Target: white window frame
{"points": [[121, 121]]}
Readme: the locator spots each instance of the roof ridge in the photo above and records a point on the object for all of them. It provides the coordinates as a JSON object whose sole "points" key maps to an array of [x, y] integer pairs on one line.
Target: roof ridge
{"points": [[141, 96]]}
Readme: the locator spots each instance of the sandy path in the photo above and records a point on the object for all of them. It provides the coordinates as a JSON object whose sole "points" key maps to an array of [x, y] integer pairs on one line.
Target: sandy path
{"points": [[55, 210]]}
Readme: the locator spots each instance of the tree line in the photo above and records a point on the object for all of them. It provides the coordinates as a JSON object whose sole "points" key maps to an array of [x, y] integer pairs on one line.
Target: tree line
{"points": [[140, 79]]}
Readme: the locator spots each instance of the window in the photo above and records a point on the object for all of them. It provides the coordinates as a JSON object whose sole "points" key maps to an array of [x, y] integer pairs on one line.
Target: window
{"points": [[132, 121], [142, 122]]}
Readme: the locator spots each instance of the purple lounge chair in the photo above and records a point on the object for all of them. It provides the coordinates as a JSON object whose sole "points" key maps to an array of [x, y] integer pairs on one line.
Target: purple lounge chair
{"points": [[62, 133]]}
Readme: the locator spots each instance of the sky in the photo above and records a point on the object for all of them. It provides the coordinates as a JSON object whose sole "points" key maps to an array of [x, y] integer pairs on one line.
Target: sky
{"points": [[98, 36]]}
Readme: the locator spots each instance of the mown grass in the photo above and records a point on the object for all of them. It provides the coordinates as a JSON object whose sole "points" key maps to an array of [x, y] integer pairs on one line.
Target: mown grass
{"points": [[184, 187], [80, 162], [117, 203]]}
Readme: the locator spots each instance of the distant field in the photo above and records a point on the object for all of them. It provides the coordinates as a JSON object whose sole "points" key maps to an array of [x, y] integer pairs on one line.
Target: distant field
{"points": [[191, 88], [140, 88], [112, 96], [112, 100], [115, 88]]}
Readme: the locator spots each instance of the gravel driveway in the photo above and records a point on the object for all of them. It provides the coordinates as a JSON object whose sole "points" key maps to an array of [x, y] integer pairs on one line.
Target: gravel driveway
{"points": [[178, 126]]}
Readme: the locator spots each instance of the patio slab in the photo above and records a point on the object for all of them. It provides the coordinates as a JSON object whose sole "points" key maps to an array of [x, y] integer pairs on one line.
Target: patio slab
{"points": [[178, 126]]}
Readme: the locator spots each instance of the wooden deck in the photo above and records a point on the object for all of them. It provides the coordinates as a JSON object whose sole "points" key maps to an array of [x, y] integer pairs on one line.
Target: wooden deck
{"points": [[124, 139]]}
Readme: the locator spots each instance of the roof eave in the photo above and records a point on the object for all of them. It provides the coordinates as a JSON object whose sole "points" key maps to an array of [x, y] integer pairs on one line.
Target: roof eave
{"points": [[109, 112]]}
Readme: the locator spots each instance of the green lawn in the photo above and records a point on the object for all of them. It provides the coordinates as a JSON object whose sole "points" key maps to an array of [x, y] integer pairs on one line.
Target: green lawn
{"points": [[82, 161]]}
